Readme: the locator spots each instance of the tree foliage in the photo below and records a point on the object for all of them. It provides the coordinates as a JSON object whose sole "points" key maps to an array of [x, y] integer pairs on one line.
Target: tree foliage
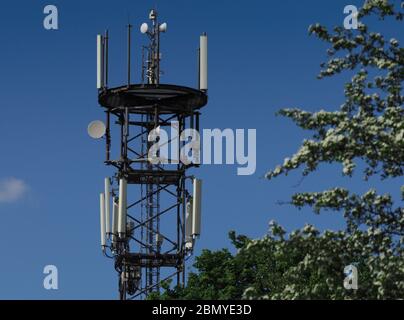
{"points": [[368, 129]]}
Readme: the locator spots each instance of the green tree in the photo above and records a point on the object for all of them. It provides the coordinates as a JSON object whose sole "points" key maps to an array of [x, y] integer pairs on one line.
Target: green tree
{"points": [[368, 129]]}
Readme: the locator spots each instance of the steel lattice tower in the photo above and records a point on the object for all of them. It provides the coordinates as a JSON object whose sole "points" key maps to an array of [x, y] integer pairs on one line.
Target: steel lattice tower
{"points": [[148, 232]]}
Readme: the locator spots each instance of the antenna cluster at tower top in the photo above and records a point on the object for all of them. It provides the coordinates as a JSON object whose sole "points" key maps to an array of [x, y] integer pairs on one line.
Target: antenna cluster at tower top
{"points": [[151, 55]]}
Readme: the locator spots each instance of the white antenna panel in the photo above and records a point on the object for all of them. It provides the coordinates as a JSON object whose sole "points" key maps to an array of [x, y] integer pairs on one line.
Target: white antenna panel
{"points": [[102, 219], [100, 61], [203, 62], [115, 210], [196, 207], [188, 221], [122, 207], [107, 206]]}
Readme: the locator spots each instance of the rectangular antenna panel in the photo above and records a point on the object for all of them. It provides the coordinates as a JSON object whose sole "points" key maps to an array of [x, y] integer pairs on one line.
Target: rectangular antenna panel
{"points": [[115, 210], [203, 62], [122, 206], [107, 206], [100, 61], [188, 221], [196, 207], [102, 219]]}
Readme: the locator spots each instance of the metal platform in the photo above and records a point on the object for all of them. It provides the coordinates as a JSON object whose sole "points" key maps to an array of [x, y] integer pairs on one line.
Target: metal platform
{"points": [[153, 260], [154, 177], [144, 98]]}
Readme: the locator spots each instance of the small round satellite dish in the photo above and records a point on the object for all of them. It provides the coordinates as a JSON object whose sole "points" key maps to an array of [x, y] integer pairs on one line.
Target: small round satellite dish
{"points": [[163, 27], [96, 129], [144, 28]]}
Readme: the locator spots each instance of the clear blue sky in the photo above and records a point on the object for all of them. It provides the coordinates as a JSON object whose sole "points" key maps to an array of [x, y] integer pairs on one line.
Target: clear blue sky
{"points": [[261, 59]]}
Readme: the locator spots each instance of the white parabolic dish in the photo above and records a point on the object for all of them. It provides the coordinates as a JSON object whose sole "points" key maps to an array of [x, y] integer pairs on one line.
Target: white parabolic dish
{"points": [[96, 129]]}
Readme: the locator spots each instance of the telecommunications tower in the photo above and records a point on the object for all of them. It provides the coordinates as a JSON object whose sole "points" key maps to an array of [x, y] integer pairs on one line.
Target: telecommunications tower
{"points": [[150, 211]]}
